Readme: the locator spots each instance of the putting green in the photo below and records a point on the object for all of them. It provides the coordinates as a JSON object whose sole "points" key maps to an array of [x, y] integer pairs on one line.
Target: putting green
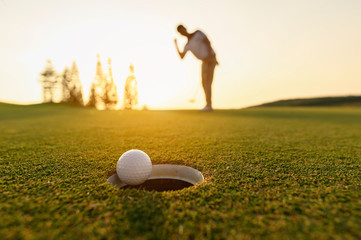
{"points": [[276, 173]]}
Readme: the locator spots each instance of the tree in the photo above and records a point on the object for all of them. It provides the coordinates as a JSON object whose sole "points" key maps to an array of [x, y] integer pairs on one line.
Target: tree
{"points": [[97, 89], [92, 102], [49, 80], [65, 83], [110, 97], [130, 99], [76, 93], [71, 85]]}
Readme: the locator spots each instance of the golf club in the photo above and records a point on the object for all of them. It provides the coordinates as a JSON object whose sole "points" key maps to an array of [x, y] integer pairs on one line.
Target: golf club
{"points": [[193, 100]]}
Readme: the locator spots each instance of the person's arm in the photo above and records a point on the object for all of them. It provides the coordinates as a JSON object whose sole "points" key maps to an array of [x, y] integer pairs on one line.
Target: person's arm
{"points": [[181, 54]]}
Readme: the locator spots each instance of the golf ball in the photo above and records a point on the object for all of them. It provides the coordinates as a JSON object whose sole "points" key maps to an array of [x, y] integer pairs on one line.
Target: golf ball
{"points": [[134, 167]]}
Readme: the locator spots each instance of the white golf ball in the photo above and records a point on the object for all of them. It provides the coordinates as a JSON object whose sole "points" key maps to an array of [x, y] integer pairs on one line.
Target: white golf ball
{"points": [[134, 167]]}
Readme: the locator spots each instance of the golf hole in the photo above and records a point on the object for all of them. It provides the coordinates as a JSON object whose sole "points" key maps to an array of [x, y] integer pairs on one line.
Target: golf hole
{"points": [[164, 177]]}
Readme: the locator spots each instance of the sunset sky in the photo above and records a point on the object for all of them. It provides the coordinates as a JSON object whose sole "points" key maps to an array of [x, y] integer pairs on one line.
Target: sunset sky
{"points": [[268, 50]]}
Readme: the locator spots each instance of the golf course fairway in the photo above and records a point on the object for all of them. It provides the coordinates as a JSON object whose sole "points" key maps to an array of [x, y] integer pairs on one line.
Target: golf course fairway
{"points": [[270, 173]]}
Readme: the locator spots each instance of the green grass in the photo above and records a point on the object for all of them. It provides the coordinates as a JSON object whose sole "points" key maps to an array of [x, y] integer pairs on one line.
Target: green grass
{"points": [[270, 173], [321, 101]]}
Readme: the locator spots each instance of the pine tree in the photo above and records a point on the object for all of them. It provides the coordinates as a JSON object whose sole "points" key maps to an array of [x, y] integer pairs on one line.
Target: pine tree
{"points": [[130, 99], [71, 86], [92, 96], [65, 82], [49, 80], [97, 89], [110, 97], [76, 93]]}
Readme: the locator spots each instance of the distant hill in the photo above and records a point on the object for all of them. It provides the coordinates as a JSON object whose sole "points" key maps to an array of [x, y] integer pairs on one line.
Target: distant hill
{"points": [[313, 102]]}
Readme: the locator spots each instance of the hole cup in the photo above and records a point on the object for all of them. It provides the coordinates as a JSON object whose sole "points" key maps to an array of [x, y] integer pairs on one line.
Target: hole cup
{"points": [[164, 177]]}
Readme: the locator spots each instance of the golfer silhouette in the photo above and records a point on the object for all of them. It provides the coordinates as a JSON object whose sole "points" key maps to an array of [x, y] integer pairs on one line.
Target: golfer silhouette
{"points": [[201, 48]]}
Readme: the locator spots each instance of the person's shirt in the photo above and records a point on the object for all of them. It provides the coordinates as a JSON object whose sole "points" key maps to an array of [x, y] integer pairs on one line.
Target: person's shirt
{"points": [[197, 44]]}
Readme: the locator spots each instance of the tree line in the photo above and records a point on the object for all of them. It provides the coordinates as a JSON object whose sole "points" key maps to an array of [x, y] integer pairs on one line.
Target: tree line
{"points": [[66, 87]]}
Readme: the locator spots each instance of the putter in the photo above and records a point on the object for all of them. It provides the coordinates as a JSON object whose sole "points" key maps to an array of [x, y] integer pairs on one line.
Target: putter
{"points": [[193, 100]]}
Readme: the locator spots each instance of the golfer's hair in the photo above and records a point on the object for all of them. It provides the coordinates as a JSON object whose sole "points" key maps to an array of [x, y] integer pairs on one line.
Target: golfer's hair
{"points": [[179, 27]]}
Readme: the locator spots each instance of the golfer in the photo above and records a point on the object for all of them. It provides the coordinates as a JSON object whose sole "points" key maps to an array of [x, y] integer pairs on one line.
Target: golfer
{"points": [[200, 46]]}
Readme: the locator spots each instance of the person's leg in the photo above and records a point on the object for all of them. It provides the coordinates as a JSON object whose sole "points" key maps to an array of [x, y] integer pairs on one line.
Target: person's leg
{"points": [[207, 79], [204, 74]]}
